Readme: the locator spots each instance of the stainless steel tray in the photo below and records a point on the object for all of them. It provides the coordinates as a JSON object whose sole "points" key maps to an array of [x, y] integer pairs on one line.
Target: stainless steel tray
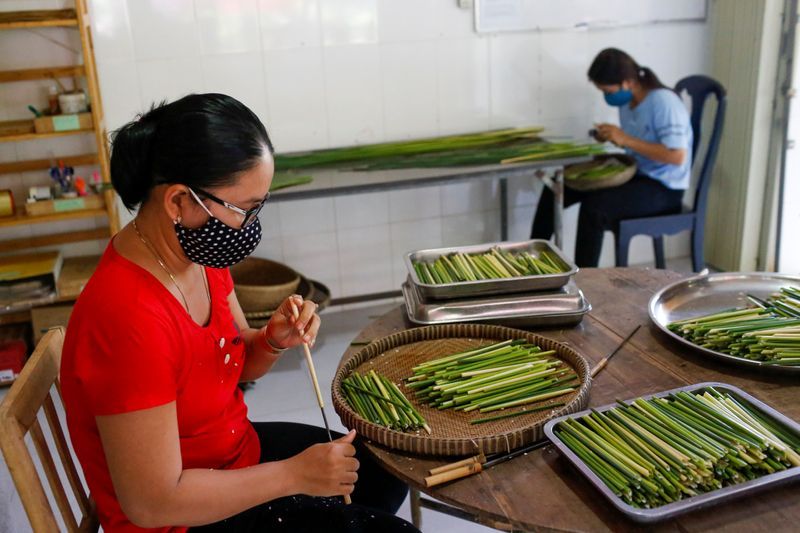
{"points": [[695, 502], [465, 289], [701, 295], [563, 307]]}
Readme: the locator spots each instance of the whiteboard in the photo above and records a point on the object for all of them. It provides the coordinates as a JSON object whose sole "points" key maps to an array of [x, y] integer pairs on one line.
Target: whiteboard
{"points": [[523, 15]]}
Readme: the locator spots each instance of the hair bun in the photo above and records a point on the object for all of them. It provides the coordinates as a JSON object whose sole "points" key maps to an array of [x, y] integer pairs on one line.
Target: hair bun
{"points": [[131, 158]]}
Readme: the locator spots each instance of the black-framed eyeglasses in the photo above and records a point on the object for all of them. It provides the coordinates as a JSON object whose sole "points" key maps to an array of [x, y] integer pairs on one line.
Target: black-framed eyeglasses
{"points": [[248, 215]]}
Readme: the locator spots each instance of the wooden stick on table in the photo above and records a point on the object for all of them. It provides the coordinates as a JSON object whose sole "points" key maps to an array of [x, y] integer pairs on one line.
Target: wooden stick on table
{"points": [[315, 382], [604, 361]]}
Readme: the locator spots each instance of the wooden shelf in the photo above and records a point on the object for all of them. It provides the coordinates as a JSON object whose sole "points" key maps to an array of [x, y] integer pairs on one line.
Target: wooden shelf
{"points": [[44, 73], [10, 20], [21, 218], [13, 167], [23, 130], [15, 245]]}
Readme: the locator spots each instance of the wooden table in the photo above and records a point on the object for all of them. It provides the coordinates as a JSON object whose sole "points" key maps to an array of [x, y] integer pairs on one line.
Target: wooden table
{"points": [[541, 491]]}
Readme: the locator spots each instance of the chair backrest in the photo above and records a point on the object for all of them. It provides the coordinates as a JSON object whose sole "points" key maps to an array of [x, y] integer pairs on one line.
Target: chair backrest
{"points": [[19, 411], [700, 88]]}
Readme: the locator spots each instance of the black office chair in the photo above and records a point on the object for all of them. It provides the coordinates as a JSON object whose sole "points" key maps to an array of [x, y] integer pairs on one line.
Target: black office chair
{"points": [[699, 89]]}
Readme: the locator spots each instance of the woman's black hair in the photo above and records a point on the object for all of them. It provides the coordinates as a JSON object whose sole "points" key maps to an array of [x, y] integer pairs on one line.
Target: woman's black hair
{"points": [[613, 66], [201, 140]]}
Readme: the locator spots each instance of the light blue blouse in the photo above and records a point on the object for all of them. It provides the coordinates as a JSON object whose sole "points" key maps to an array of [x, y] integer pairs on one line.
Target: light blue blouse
{"points": [[661, 118]]}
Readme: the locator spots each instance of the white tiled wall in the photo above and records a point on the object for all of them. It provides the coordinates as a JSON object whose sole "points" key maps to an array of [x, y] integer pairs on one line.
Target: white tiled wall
{"points": [[324, 73]]}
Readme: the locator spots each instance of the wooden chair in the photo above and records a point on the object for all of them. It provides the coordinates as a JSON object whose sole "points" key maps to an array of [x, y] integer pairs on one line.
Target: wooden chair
{"points": [[18, 416]]}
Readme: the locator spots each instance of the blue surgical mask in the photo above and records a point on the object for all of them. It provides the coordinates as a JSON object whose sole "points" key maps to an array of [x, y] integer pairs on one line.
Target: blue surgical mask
{"points": [[618, 99]]}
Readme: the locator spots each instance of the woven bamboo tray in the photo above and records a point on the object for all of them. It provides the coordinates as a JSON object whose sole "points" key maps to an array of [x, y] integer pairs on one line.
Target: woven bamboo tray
{"points": [[452, 433]]}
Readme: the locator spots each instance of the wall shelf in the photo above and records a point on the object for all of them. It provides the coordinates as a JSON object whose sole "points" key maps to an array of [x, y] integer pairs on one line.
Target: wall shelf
{"points": [[11, 20], [21, 219], [43, 73], [31, 165], [23, 130]]}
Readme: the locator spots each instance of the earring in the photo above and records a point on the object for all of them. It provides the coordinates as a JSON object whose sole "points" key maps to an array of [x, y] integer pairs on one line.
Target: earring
{"points": [[177, 220]]}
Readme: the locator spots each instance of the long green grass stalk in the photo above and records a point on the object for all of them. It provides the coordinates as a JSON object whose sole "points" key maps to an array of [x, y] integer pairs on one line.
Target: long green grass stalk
{"points": [[375, 398], [492, 378], [769, 331], [657, 451], [492, 264]]}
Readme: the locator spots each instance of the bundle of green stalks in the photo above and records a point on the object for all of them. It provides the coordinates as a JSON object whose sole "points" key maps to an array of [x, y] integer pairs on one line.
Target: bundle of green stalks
{"points": [[494, 264], [768, 332], [503, 375], [483, 148], [658, 451], [377, 399], [594, 172]]}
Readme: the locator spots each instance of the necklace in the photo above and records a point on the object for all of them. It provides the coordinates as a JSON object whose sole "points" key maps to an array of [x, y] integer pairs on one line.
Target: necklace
{"points": [[161, 263]]}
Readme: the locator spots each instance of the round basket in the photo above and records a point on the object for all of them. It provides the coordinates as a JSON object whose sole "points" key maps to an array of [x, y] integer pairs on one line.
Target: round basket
{"points": [[309, 289], [451, 432], [614, 180], [261, 284]]}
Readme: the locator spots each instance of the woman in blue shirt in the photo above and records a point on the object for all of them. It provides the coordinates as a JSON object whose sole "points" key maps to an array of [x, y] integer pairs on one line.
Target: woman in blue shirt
{"points": [[655, 129]]}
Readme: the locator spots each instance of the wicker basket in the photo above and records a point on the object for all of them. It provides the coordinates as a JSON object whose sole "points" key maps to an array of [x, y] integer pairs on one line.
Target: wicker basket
{"points": [[614, 180], [452, 433], [261, 284]]}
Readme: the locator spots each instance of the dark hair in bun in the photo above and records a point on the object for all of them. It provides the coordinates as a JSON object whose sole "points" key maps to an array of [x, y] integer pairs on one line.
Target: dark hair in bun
{"points": [[201, 140], [613, 66]]}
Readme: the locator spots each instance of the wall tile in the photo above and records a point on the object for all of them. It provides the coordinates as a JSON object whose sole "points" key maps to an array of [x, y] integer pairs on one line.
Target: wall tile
{"points": [[168, 79], [361, 210], [315, 256], [463, 81], [473, 228], [414, 204], [119, 82], [515, 79], [296, 97], [163, 30], [240, 76], [364, 259], [409, 90], [111, 30], [470, 197], [349, 22], [353, 95], [409, 20], [228, 27], [289, 24], [306, 217]]}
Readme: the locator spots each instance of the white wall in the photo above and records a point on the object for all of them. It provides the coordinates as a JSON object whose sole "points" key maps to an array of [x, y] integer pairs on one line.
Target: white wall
{"points": [[324, 73]]}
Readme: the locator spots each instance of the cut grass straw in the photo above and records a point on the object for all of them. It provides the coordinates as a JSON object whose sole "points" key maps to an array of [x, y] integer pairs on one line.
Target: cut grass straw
{"points": [[492, 378], [493, 264], [377, 399], [769, 331], [658, 451]]}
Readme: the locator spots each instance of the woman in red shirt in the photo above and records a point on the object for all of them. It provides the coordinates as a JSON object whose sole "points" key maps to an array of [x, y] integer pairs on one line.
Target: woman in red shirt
{"points": [[157, 344]]}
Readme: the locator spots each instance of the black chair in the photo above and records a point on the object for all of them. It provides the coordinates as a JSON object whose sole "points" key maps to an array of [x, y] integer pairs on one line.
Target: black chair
{"points": [[699, 89]]}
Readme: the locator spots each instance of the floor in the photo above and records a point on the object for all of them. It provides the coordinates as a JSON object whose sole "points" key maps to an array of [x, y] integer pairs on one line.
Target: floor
{"points": [[286, 394]]}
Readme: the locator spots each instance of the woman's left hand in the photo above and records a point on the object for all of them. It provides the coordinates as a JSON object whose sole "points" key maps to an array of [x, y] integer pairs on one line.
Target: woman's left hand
{"points": [[612, 133], [284, 331]]}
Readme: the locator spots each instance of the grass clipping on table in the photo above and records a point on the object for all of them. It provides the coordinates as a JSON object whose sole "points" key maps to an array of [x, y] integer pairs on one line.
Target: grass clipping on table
{"points": [[471, 149], [493, 264], [508, 376], [769, 331], [658, 451]]}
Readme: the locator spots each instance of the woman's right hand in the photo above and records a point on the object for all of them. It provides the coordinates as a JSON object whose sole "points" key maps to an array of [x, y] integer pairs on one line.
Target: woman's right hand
{"points": [[327, 469]]}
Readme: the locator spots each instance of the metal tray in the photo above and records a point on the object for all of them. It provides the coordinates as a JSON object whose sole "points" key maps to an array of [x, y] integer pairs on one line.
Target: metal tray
{"points": [[710, 293], [693, 503], [564, 307], [465, 289]]}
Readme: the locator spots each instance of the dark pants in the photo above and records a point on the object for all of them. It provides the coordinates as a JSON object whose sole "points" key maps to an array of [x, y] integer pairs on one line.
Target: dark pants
{"points": [[376, 498], [602, 210]]}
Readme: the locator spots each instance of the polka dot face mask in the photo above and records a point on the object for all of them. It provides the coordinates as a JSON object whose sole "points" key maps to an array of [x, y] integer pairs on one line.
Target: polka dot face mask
{"points": [[215, 244]]}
